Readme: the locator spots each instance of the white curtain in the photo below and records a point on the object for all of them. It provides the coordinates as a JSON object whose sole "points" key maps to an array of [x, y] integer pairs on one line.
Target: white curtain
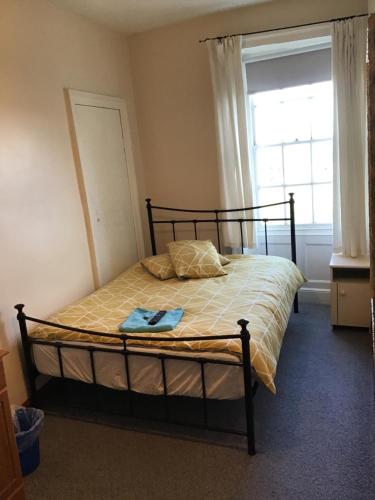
{"points": [[350, 211], [232, 137]]}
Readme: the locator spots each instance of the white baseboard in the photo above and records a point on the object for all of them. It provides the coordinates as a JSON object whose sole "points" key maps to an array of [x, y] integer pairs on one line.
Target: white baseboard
{"points": [[315, 295]]}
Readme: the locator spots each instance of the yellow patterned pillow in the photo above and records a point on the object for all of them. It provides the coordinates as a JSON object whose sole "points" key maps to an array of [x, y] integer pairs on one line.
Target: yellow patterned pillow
{"points": [[223, 260], [160, 266], [195, 259]]}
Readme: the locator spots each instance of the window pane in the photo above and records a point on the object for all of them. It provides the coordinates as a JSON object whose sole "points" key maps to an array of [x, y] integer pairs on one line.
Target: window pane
{"points": [[296, 121], [322, 89], [269, 167], [297, 161], [322, 161], [323, 204], [271, 195], [268, 129], [303, 203], [267, 98], [300, 92], [294, 126], [322, 114]]}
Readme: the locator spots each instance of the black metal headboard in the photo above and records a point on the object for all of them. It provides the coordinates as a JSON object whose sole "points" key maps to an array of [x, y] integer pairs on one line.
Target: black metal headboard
{"points": [[218, 220]]}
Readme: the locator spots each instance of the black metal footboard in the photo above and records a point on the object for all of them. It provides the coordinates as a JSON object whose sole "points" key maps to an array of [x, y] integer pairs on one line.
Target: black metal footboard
{"points": [[244, 363]]}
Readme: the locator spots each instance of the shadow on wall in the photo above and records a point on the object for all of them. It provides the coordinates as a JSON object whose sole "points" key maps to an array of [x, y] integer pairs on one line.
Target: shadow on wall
{"points": [[14, 348], [4, 344]]}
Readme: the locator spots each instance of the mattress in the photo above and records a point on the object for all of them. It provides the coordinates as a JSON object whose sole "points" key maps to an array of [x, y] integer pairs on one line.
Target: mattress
{"points": [[260, 289]]}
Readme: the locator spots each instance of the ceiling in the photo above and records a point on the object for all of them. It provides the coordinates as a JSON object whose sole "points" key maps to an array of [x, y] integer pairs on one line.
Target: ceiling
{"points": [[133, 16]]}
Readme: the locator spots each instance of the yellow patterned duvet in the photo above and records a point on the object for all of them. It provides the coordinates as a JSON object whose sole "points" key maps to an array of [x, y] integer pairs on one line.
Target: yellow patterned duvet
{"points": [[257, 288]]}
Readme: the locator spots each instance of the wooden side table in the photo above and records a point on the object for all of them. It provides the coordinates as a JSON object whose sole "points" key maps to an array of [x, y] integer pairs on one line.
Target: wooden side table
{"points": [[350, 291], [11, 483]]}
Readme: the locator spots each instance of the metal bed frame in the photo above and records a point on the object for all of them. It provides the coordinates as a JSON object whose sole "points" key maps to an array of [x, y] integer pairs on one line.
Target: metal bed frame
{"points": [[244, 335]]}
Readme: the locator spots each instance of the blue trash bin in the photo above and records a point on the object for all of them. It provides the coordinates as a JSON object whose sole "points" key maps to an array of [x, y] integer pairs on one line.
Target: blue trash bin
{"points": [[28, 423]]}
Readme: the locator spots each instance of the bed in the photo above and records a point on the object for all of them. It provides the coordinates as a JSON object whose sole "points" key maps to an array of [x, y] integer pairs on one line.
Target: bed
{"points": [[208, 356]]}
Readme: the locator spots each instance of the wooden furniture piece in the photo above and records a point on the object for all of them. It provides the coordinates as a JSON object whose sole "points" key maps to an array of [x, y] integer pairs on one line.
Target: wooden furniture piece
{"points": [[11, 483], [350, 291], [371, 158]]}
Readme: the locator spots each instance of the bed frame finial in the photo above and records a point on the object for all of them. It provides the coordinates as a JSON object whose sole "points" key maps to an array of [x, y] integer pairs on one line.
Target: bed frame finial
{"points": [[243, 324], [19, 308]]}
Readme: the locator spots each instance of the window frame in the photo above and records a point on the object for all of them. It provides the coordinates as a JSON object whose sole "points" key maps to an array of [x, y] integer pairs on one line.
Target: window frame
{"points": [[266, 46], [312, 228]]}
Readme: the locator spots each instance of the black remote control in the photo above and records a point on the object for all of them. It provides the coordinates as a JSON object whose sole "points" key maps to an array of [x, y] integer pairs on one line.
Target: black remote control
{"points": [[155, 319]]}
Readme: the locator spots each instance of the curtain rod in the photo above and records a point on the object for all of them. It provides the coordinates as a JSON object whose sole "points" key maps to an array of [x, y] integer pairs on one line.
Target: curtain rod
{"points": [[282, 28]]}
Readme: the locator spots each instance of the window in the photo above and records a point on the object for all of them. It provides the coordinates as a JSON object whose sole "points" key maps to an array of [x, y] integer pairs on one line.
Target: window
{"points": [[292, 150]]}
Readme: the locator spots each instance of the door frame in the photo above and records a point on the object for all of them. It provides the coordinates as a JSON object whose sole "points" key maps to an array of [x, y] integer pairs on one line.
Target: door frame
{"points": [[371, 162], [78, 97]]}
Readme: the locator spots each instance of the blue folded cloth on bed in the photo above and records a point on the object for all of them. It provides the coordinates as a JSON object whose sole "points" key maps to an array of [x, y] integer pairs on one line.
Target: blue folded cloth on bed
{"points": [[138, 320]]}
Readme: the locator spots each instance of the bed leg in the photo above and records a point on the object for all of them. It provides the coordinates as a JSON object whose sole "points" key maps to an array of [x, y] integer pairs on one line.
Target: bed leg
{"points": [[246, 360], [30, 369], [295, 303], [293, 241]]}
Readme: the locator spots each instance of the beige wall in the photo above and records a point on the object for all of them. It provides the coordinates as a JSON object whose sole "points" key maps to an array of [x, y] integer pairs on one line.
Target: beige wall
{"points": [[174, 99], [371, 6], [44, 260]]}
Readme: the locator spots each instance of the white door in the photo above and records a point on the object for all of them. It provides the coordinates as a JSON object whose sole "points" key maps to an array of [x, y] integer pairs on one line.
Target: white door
{"points": [[109, 192]]}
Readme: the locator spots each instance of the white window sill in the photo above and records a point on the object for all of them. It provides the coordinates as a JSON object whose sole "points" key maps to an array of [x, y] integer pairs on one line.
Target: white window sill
{"points": [[301, 230]]}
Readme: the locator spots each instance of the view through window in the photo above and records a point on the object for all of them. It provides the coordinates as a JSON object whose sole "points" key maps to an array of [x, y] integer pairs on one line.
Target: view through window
{"points": [[292, 150]]}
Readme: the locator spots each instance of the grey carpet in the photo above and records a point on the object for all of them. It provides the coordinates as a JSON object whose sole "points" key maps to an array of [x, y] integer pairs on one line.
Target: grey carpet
{"points": [[315, 439]]}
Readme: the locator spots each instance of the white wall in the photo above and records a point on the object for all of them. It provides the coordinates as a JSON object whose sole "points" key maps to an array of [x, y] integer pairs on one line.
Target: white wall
{"points": [[44, 258], [174, 98]]}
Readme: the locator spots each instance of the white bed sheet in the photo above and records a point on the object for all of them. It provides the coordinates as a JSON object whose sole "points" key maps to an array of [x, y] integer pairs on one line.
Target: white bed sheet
{"points": [[183, 377]]}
